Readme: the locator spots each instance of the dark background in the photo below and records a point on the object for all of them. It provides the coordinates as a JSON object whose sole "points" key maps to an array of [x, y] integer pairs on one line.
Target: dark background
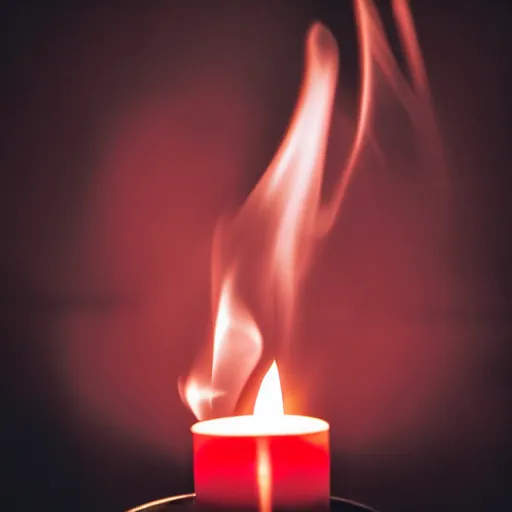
{"points": [[126, 132]]}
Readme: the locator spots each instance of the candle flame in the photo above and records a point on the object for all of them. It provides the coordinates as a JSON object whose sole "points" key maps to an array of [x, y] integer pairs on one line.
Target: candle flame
{"points": [[269, 402]]}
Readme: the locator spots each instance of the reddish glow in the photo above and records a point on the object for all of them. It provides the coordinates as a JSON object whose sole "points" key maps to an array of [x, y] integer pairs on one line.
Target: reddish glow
{"points": [[381, 351]]}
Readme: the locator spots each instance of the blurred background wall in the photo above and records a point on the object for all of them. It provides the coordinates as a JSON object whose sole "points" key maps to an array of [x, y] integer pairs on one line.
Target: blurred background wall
{"points": [[127, 130]]}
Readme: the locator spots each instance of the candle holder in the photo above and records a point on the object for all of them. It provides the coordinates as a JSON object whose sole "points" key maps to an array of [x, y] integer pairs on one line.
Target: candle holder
{"points": [[187, 503]]}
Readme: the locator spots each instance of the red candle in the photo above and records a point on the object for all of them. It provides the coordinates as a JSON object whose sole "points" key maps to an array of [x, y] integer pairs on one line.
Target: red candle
{"points": [[266, 461]]}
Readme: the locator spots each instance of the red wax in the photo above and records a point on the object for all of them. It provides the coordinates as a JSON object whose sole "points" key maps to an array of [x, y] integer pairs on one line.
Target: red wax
{"points": [[246, 463]]}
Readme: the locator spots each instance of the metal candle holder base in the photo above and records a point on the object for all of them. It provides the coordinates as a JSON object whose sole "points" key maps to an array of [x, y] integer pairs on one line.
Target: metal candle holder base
{"points": [[187, 502]]}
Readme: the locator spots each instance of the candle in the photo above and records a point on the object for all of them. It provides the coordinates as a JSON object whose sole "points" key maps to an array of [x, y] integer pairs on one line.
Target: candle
{"points": [[267, 461]]}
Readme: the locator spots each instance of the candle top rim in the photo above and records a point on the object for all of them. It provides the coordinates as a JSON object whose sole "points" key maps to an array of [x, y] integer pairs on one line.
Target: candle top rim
{"points": [[260, 426]]}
